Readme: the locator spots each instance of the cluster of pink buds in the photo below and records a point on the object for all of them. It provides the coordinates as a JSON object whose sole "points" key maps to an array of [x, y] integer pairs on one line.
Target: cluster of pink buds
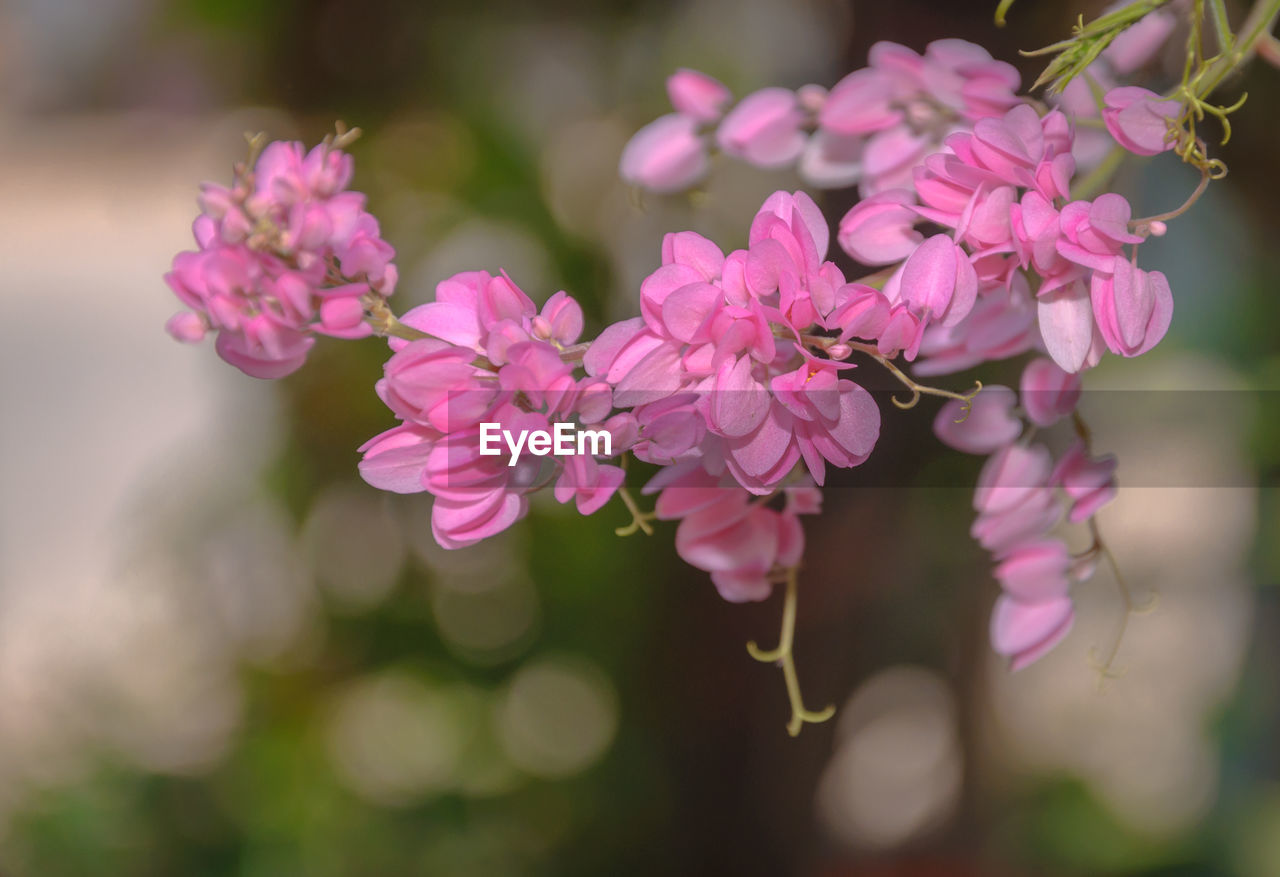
{"points": [[284, 254], [727, 532], [871, 129], [485, 365], [1003, 191], [718, 366], [1018, 505]]}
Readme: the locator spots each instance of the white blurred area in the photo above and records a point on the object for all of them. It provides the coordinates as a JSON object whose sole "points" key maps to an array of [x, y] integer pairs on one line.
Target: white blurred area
{"points": [[897, 769], [110, 430]]}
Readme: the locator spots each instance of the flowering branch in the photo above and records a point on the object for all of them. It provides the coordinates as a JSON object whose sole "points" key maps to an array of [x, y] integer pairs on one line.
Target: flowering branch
{"points": [[732, 380]]}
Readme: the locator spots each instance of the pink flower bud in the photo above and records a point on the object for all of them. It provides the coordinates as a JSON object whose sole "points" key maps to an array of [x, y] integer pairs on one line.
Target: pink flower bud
{"points": [[880, 230], [341, 314], [1048, 392], [937, 281], [186, 326], [1026, 632], [1140, 120], [697, 95], [1089, 481], [812, 97], [764, 128], [1133, 308], [989, 426], [666, 155]]}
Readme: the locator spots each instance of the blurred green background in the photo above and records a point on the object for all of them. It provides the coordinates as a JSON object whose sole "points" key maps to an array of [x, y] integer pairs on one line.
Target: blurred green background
{"points": [[222, 654]]}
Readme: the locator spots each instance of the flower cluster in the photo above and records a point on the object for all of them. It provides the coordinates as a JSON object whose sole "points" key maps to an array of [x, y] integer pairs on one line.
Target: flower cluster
{"points": [[727, 532], [1003, 191], [871, 129], [735, 379], [1018, 506], [717, 368], [284, 254], [486, 355]]}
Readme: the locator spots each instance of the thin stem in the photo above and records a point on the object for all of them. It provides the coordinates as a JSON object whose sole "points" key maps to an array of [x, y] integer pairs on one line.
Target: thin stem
{"points": [[1221, 26], [916, 388], [639, 519], [1100, 548], [384, 322], [1145, 222], [574, 353], [1255, 28], [1131, 608], [782, 655]]}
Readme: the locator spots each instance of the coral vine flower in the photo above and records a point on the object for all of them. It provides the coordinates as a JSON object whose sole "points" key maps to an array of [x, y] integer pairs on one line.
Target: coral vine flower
{"points": [[713, 367], [724, 532], [284, 254], [871, 129], [492, 358], [667, 155], [1140, 120]]}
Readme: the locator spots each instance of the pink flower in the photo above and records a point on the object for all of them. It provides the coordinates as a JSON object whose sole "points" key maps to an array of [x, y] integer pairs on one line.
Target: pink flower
{"points": [[988, 426], [1001, 324], [1090, 482], [880, 230], [1067, 327], [861, 103], [1093, 233], [741, 543], [284, 254], [870, 129], [1035, 571], [697, 95], [396, 459], [937, 282], [1133, 308], [764, 128], [1048, 392], [1026, 632], [1009, 476], [667, 155], [1140, 120], [436, 384]]}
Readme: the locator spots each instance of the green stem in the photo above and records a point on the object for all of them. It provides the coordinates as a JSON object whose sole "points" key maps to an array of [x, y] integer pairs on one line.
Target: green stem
{"points": [[1256, 26], [782, 655]]}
